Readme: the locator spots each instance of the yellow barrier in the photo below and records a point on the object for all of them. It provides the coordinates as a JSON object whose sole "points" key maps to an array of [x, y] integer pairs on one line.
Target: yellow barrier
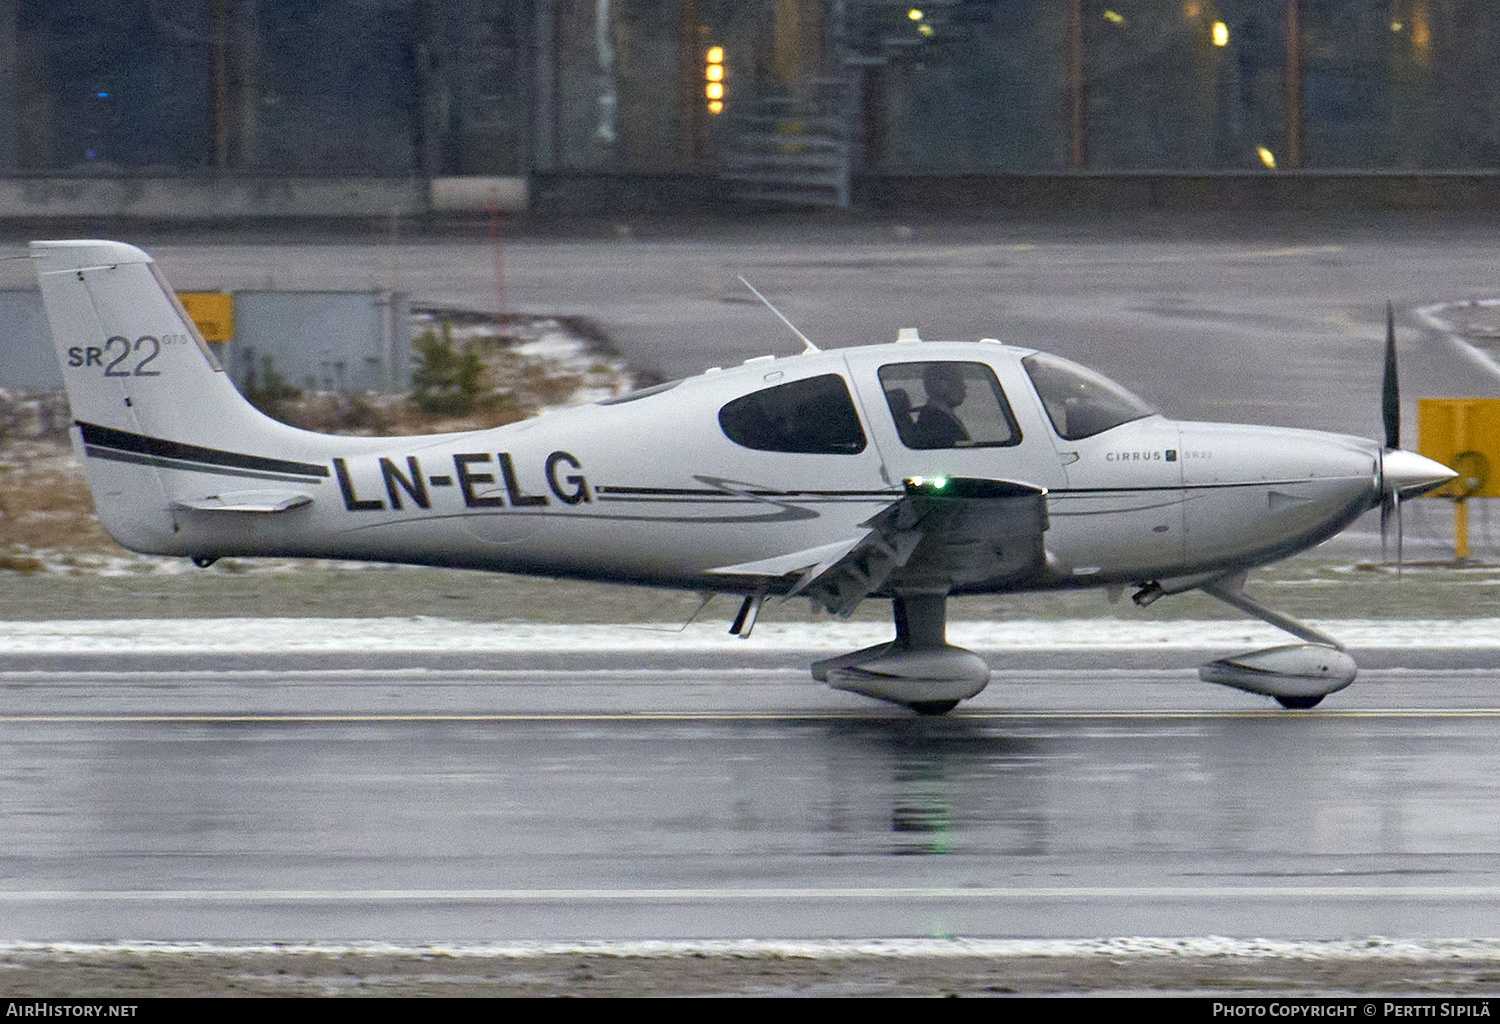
{"points": [[1463, 434]]}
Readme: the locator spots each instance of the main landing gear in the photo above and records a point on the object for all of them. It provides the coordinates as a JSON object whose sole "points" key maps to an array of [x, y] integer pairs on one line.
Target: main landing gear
{"points": [[921, 670], [918, 669]]}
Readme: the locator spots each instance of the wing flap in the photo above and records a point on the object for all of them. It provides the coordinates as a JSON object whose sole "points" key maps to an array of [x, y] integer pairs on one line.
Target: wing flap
{"points": [[797, 561], [941, 534]]}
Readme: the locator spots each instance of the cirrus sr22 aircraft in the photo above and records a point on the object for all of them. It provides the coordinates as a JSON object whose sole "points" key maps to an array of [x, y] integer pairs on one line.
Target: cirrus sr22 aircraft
{"points": [[911, 471]]}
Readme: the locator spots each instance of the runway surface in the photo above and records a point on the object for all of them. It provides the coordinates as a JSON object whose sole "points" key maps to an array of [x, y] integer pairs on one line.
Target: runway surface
{"points": [[563, 793], [1083, 794]]}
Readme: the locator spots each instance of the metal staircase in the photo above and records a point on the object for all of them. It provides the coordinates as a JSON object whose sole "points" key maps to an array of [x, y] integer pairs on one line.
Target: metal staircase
{"points": [[800, 147], [792, 149]]}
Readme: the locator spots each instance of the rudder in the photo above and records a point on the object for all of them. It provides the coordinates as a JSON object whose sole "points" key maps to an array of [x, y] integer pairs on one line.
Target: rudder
{"points": [[134, 365]]}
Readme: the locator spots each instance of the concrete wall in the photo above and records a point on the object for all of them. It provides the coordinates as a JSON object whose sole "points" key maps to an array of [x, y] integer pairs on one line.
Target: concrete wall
{"points": [[27, 359], [338, 341], [238, 198], [1238, 191], [207, 199], [474, 194], [602, 195], [130, 201], [322, 341]]}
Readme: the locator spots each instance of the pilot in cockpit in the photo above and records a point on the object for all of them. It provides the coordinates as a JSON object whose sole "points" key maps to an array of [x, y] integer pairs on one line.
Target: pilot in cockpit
{"points": [[937, 424]]}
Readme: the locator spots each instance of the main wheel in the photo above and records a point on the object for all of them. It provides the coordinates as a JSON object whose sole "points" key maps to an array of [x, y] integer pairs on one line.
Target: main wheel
{"points": [[933, 707], [1300, 703]]}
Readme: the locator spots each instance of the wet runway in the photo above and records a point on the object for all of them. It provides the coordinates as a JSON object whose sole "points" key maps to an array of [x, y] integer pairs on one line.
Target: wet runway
{"points": [[611, 797]]}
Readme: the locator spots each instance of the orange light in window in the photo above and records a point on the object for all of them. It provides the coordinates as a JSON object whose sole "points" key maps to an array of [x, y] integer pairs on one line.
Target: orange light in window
{"points": [[714, 74], [1421, 33]]}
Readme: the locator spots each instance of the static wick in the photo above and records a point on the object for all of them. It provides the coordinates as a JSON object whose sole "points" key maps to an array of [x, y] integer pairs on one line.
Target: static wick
{"points": [[806, 341]]}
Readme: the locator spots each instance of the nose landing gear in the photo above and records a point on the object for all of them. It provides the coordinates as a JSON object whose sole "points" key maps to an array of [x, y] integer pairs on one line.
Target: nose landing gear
{"points": [[1299, 676]]}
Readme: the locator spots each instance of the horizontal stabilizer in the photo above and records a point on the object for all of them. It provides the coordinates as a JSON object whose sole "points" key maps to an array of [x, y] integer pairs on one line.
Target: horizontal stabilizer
{"points": [[254, 502]]}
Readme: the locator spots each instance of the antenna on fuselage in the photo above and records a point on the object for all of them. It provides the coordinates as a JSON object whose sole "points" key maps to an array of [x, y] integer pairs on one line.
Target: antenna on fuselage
{"points": [[806, 341]]}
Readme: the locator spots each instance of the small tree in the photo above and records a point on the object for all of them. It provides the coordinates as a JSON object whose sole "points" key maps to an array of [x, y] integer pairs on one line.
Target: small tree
{"points": [[445, 382], [269, 391]]}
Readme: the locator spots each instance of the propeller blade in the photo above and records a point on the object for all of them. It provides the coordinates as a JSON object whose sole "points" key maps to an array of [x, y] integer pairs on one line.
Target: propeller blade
{"points": [[1395, 501], [1390, 389], [1386, 514]]}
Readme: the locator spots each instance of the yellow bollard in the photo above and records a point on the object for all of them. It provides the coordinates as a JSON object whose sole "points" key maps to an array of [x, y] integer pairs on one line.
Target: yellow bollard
{"points": [[1460, 531], [1463, 433]]}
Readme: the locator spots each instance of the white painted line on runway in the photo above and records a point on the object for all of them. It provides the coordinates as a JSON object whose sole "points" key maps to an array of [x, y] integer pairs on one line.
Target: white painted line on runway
{"points": [[879, 714], [1431, 316], [716, 895], [737, 674], [479, 675]]}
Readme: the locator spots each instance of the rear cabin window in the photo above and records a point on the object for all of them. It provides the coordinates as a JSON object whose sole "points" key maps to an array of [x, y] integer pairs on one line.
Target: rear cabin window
{"points": [[814, 416], [948, 405]]}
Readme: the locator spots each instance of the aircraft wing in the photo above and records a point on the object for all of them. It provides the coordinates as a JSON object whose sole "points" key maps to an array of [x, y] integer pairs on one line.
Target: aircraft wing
{"points": [[941, 534]]}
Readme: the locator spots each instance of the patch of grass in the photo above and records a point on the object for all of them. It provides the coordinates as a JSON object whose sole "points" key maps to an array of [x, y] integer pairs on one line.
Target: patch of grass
{"points": [[45, 504], [14, 561]]}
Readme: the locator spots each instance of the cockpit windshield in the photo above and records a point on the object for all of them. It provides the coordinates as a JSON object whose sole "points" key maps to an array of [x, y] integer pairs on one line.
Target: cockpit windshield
{"points": [[1080, 402]]}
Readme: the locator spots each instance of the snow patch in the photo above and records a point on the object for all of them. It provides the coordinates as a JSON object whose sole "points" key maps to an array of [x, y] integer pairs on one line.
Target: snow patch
{"points": [[422, 634], [1211, 946]]}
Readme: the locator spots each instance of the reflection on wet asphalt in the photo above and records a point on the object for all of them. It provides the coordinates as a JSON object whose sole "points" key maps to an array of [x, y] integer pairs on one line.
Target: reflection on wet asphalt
{"points": [[576, 826]]}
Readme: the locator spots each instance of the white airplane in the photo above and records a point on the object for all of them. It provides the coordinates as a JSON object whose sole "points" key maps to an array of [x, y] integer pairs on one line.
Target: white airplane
{"points": [[910, 471]]}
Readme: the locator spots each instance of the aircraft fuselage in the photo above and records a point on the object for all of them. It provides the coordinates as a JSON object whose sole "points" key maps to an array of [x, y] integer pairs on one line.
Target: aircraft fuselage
{"points": [[652, 489]]}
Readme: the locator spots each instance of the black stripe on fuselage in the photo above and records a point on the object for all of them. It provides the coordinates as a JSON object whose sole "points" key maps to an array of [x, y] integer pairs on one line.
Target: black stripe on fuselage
{"points": [[717, 492], [111, 455], [731, 499], [106, 442], [1293, 482]]}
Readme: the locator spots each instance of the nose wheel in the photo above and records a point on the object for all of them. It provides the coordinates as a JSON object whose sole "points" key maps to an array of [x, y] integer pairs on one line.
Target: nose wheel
{"points": [[1300, 703]]}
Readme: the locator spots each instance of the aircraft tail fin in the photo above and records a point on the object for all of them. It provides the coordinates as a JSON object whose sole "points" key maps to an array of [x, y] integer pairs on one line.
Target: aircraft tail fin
{"points": [[148, 395]]}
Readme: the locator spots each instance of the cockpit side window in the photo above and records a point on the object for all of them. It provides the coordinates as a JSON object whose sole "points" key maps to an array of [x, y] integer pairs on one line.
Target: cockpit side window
{"points": [[948, 405], [1079, 402], [813, 416]]}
